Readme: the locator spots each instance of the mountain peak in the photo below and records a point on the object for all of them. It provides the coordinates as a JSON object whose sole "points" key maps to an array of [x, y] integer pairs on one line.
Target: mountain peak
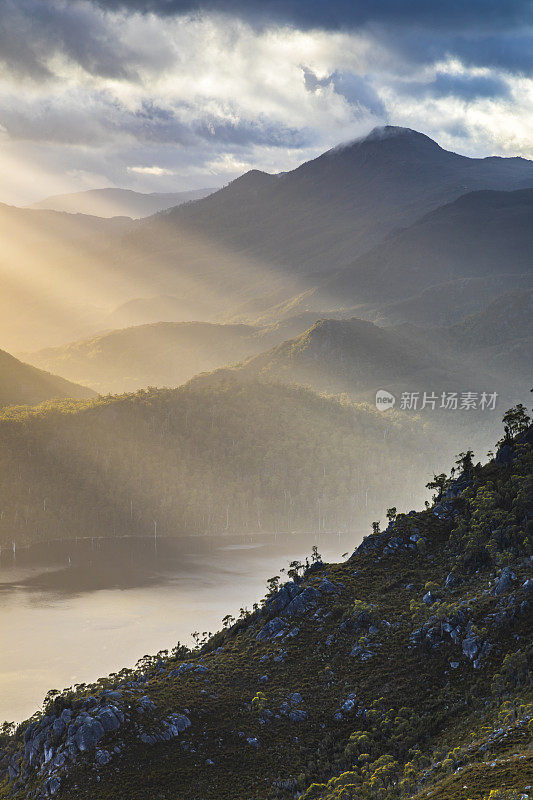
{"points": [[390, 138], [389, 131], [253, 179]]}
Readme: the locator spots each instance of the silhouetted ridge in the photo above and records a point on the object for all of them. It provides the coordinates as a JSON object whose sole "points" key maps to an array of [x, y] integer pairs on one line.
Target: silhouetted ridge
{"points": [[22, 384], [328, 211], [252, 180]]}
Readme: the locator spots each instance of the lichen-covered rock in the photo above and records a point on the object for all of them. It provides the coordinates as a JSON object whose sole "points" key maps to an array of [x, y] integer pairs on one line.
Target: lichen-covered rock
{"points": [[51, 786], [297, 715], [102, 757], [303, 602], [471, 646], [177, 723], [505, 581], [272, 628], [88, 734], [110, 719], [282, 598], [181, 670], [451, 581], [361, 652], [328, 587]]}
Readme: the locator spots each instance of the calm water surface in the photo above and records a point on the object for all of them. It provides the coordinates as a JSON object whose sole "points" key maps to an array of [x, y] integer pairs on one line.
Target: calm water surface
{"points": [[71, 612]]}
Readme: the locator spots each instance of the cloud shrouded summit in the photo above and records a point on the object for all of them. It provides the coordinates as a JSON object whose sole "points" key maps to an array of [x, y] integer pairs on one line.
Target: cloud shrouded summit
{"points": [[168, 95]]}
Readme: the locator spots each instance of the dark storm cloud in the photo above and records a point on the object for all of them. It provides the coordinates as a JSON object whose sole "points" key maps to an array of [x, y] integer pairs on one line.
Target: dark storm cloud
{"points": [[123, 85], [481, 32], [492, 33], [509, 50], [449, 14], [248, 132], [468, 87]]}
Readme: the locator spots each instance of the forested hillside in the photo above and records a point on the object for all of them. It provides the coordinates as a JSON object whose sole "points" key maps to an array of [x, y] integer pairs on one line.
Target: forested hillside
{"points": [[23, 384], [358, 357], [160, 354], [401, 673], [487, 352], [215, 455]]}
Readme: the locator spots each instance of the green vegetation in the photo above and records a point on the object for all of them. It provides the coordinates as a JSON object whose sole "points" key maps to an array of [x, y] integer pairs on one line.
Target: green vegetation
{"points": [[403, 672], [209, 457]]}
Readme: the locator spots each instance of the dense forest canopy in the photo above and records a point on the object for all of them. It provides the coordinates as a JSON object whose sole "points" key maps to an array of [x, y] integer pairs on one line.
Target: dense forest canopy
{"points": [[209, 457]]}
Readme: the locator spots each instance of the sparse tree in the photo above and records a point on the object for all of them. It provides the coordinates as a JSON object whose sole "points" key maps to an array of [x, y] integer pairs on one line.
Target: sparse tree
{"points": [[294, 569], [465, 463], [273, 584], [516, 420], [439, 485], [315, 555]]}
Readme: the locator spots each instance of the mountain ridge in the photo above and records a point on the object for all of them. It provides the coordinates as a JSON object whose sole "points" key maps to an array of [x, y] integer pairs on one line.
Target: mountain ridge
{"points": [[358, 357], [344, 190], [161, 353], [23, 384], [117, 202], [480, 234]]}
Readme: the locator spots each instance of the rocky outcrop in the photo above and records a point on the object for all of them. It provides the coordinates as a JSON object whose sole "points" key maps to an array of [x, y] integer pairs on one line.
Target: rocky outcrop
{"points": [[274, 627], [505, 581], [54, 742]]}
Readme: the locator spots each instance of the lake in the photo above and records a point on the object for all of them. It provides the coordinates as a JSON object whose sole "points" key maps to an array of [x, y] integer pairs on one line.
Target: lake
{"points": [[71, 612]]}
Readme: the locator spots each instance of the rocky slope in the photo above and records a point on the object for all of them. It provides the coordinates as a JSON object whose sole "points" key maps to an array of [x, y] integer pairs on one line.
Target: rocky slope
{"points": [[404, 672]]}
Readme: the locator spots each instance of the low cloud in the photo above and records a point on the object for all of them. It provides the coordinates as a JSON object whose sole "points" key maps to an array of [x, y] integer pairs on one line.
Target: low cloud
{"points": [[151, 171]]}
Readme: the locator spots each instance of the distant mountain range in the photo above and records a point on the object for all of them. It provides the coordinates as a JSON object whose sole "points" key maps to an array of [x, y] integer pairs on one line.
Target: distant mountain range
{"points": [[160, 308], [489, 351], [160, 354], [22, 384], [118, 202], [390, 228], [330, 210], [55, 278]]}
